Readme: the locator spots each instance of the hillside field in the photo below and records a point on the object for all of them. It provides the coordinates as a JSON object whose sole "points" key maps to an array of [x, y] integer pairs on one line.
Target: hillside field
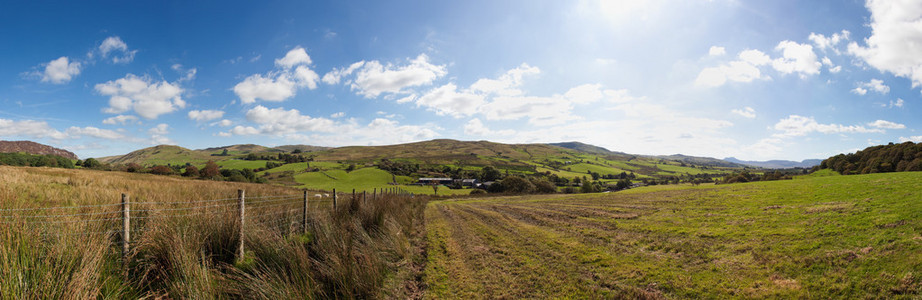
{"points": [[815, 237]]}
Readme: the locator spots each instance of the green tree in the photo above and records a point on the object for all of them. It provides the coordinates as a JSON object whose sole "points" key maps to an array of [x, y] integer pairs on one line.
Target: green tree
{"points": [[489, 173], [91, 163], [211, 170]]}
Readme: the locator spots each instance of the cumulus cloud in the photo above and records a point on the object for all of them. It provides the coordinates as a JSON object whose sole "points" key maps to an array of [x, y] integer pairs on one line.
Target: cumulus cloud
{"points": [[585, 94], [746, 112], [717, 51], [882, 124], [281, 84], [338, 115], [120, 119], [335, 75], [476, 127], [875, 85], [796, 57], [897, 103], [278, 121], [117, 48], [158, 134], [745, 69], [40, 129], [294, 126], [447, 100], [205, 115], [76, 132], [896, 39], [60, 70], [915, 139], [147, 98], [294, 57], [506, 84], [373, 78], [824, 43], [795, 125]]}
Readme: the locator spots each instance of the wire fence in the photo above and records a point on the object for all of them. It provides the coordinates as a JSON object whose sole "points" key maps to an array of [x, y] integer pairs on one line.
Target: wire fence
{"points": [[125, 218]]}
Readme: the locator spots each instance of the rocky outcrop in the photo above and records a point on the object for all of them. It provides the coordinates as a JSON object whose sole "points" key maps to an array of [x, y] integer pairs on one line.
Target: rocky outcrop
{"points": [[34, 148]]}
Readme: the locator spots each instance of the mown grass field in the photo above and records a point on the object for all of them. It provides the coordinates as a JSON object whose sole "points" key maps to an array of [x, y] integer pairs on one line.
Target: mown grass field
{"points": [[815, 237]]}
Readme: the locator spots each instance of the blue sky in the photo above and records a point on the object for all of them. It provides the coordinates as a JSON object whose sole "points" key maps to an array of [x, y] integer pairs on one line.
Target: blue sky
{"points": [[751, 79]]}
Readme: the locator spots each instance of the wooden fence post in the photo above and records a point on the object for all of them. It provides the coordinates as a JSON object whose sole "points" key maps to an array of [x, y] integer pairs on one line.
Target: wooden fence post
{"points": [[304, 215], [374, 195], [126, 227], [364, 198], [240, 204], [334, 200]]}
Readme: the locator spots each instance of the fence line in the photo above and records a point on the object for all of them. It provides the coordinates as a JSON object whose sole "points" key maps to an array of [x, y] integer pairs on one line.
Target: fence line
{"points": [[148, 210]]}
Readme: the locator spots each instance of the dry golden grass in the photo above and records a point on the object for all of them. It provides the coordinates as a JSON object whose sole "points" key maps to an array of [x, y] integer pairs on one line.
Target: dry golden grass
{"points": [[187, 250]]}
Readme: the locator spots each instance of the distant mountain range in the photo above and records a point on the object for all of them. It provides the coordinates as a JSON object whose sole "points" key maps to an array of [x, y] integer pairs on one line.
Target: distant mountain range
{"points": [[34, 148], [777, 164]]}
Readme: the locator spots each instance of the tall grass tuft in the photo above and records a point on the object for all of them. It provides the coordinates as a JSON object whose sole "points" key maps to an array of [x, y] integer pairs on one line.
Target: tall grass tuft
{"points": [[347, 253]]}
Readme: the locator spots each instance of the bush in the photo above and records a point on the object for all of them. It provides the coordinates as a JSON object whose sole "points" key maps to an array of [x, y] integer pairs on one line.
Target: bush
{"points": [[191, 171], [542, 186], [161, 170], [478, 192], [517, 185]]}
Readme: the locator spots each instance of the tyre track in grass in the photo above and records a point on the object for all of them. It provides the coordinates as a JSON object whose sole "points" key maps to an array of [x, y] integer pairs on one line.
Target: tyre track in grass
{"points": [[508, 257]]}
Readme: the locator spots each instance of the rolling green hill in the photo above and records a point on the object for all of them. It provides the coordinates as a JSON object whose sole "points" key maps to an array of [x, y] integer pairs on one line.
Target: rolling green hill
{"points": [[159, 155], [435, 158]]}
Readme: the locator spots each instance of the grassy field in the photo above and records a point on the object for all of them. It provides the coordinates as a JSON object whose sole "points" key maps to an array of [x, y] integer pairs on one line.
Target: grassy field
{"points": [[184, 238], [366, 179], [816, 237]]}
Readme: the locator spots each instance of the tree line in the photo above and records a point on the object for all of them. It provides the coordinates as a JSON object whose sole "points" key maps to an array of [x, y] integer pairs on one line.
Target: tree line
{"points": [[892, 157]]}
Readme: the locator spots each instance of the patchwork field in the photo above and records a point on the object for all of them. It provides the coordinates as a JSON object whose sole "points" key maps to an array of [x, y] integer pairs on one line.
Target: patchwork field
{"points": [[815, 237]]}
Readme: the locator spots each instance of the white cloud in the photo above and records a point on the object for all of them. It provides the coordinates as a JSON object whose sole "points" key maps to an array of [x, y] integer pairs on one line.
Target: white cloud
{"points": [[373, 78], [278, 121], [476, 127], [294, 57], [743, 70], [875, 85], [115, 44], [795, 125], [39, 129], [882, 124], [120, 119], [797, 58], [540, 111], [187, 75], [338, 115], [148, 99], [158, 134], [29, 128], [205, 115], [266, 88], [60, 70], [897, 103], [585, 94], [224, 123], [717, 51], [895, 43], [746, 112], [507, 84], [823, 42], [447, 100], [915, 139], [160, 129], [335, 75], [76, 132], [281, 84]]}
